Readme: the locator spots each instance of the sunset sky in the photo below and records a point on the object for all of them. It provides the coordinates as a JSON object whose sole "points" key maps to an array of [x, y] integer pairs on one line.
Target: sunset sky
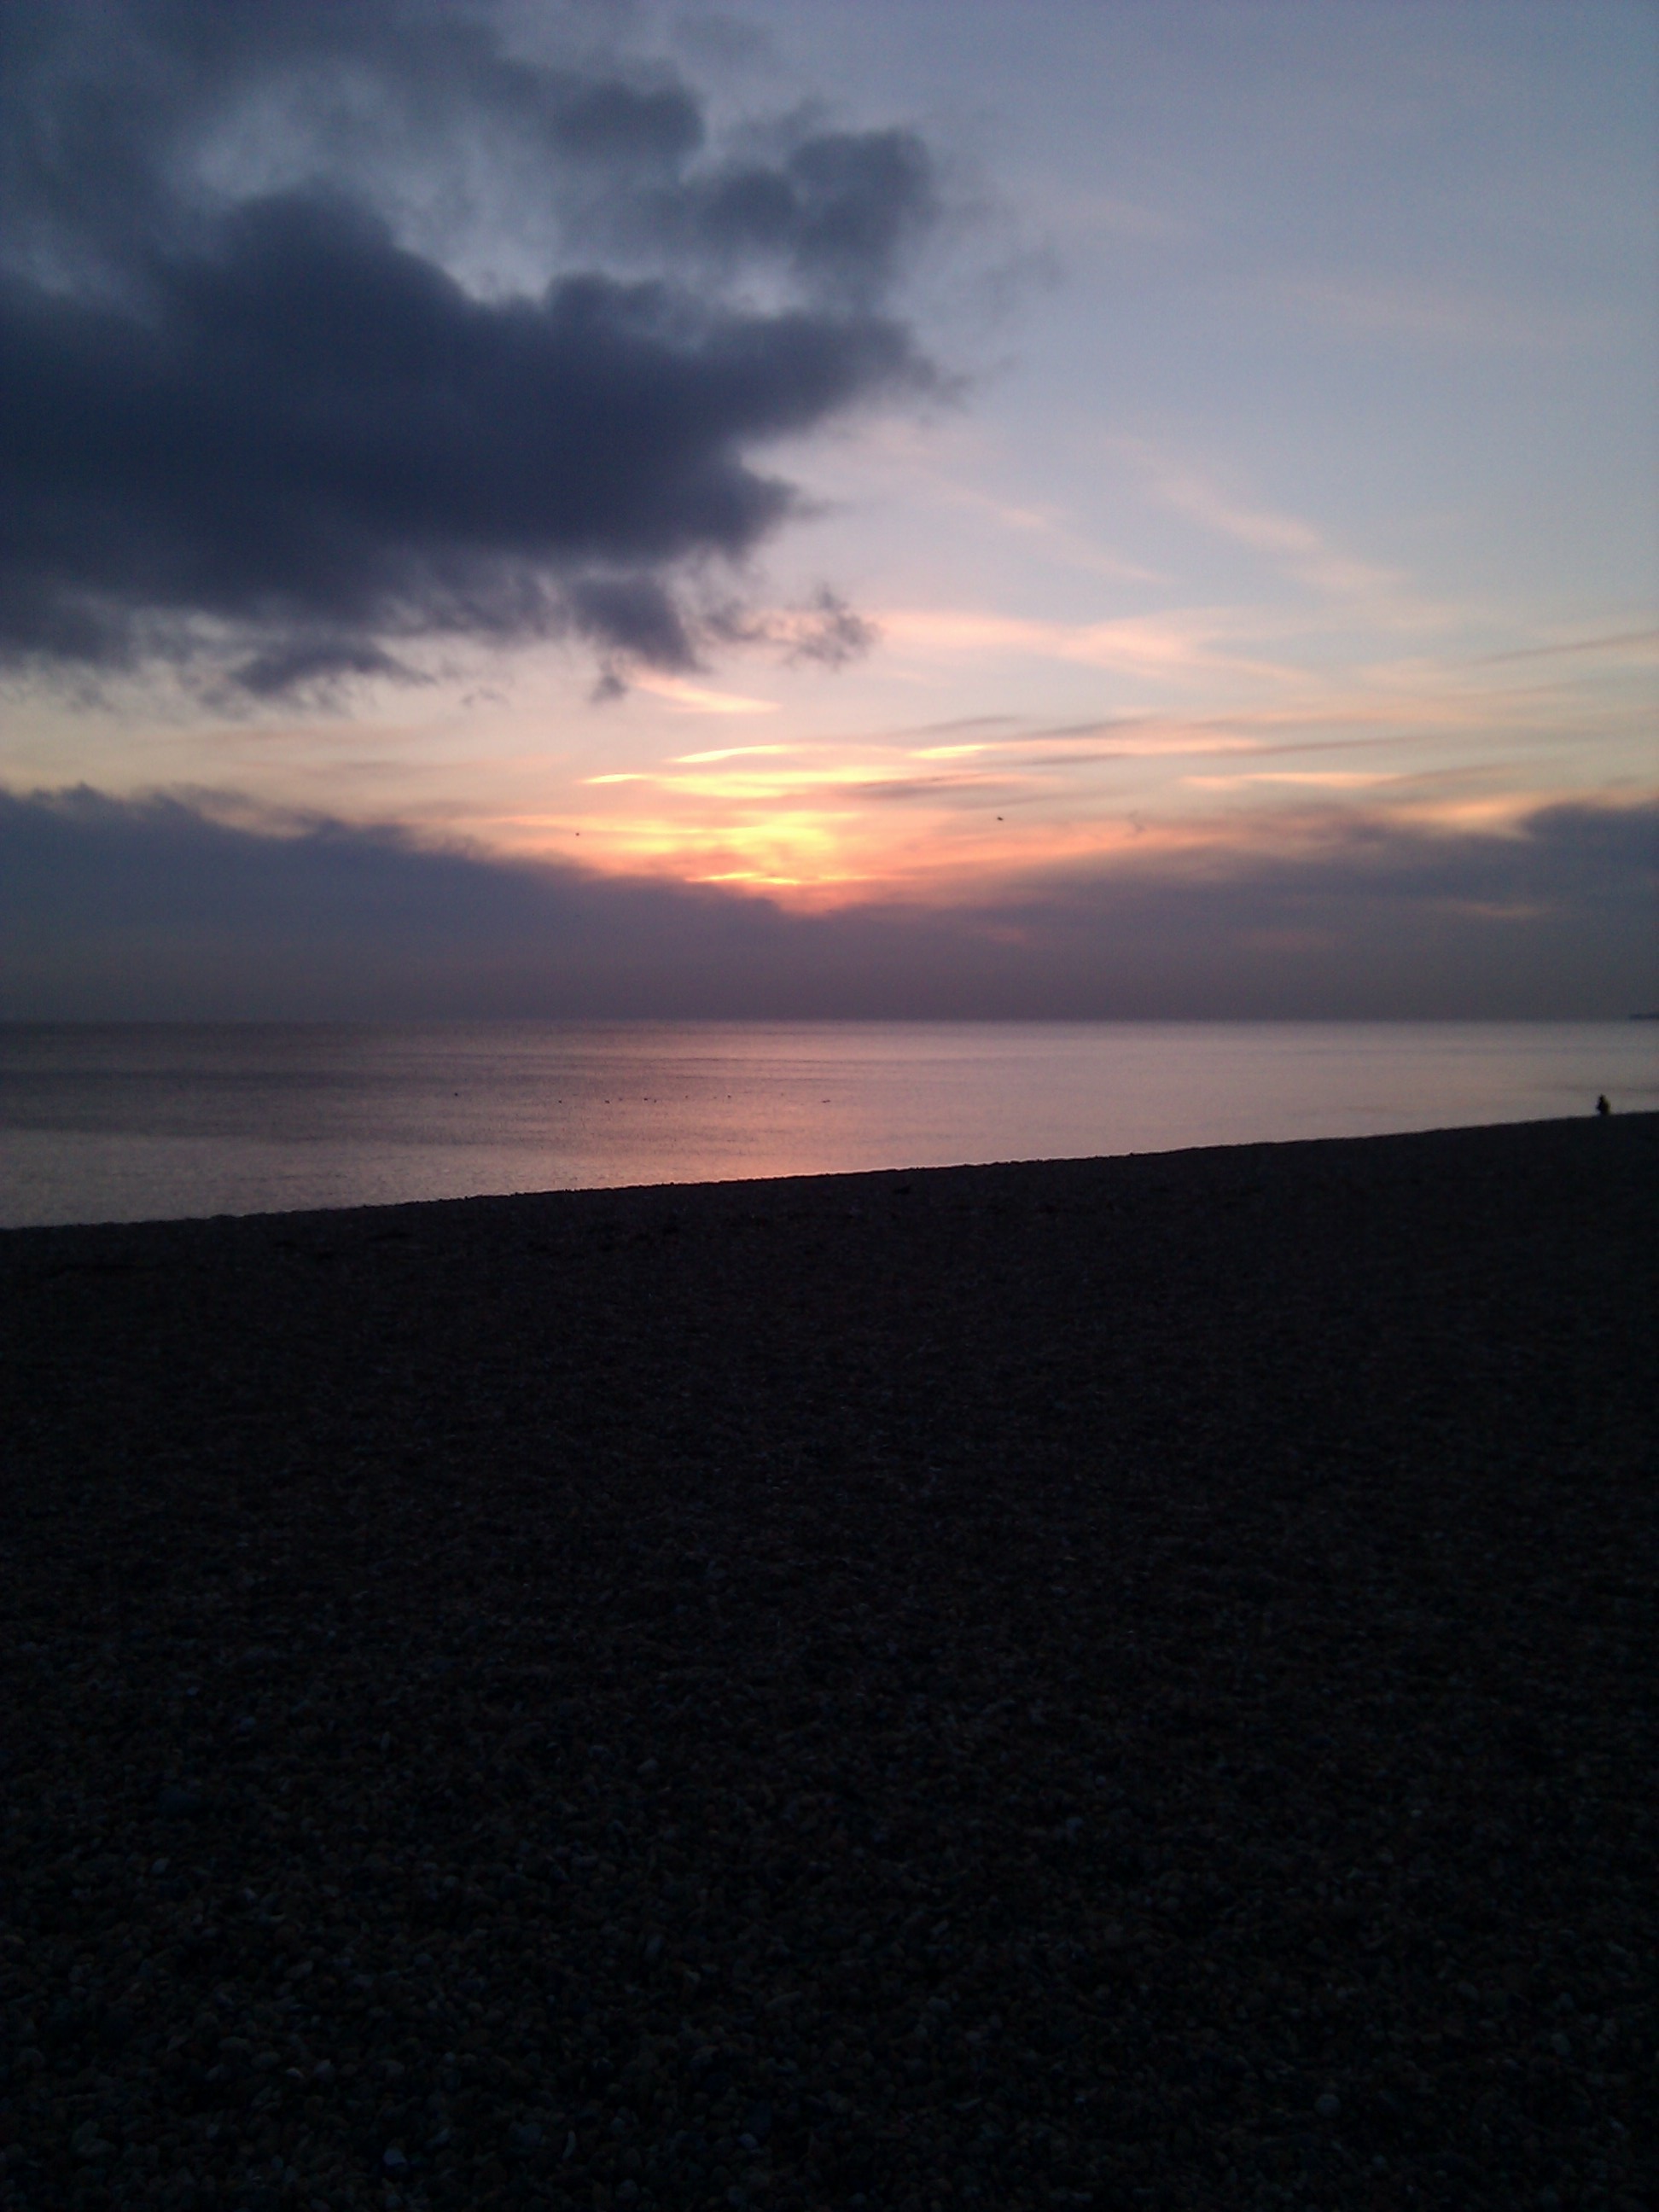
{"points": [[878, 461]]}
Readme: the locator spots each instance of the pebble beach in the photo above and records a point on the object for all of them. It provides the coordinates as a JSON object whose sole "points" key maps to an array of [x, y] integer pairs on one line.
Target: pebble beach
{"points": [[1126, 1682]]}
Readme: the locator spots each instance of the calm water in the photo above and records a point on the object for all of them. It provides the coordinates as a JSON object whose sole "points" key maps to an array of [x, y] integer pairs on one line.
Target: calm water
{"points": [[134, 1122]]}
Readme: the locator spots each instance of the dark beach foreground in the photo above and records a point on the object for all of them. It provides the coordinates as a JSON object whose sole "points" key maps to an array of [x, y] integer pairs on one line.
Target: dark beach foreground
{"points": [[1126, 1682]]}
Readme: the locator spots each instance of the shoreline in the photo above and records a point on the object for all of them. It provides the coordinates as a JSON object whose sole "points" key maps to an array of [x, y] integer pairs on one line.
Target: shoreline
{"points": [[171, 1125], [1110, 1681], [737, 1185]]}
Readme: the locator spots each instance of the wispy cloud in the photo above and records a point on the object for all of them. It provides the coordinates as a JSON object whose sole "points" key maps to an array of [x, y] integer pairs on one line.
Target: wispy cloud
{"points": [[1298, 548], [1169, 646], [1139, 738], [1086, 216], [1638, 646], [1422, 314], [1057, 534], [697, 699], [726, 752], [1326, 779]]}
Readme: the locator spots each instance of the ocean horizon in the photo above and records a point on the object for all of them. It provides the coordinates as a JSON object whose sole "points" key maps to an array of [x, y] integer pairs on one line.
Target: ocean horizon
{"points": [[145, 1120]]}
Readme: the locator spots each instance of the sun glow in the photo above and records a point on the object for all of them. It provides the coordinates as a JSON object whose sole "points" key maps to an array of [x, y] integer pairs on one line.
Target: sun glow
{"points": [[934, 811]]}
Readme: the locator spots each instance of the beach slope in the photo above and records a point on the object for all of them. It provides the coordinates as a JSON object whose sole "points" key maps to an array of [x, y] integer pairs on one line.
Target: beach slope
{"points": [[1124, 1681]]}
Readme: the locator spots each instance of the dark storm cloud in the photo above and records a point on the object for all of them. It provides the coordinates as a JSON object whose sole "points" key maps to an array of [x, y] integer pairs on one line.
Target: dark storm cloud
{"points": [[112, 909], [263, 416]]}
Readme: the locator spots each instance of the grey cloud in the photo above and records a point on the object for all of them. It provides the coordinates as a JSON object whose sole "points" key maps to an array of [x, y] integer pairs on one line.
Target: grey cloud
{"points": [[269, 427], [111, 909], [825, 630], [311, 427], [839, 206], [635, 615], [614, 122], [299, 663], [830, 632], [110, 106]]}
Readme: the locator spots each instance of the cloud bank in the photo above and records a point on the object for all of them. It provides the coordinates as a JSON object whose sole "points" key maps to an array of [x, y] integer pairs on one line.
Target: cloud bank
{"points": [[167, 910], [267, 400]]}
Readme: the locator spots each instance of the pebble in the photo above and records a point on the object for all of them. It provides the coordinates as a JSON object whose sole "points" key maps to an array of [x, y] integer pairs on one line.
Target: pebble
{"points": [[1014, 1512]]}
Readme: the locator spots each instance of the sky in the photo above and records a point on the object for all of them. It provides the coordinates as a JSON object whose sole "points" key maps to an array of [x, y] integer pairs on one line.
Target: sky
{"points": [[894, 506]]}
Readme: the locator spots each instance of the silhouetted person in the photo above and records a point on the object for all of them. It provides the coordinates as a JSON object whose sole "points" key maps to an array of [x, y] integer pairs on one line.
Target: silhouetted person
{"points": [[1601, 1105]]}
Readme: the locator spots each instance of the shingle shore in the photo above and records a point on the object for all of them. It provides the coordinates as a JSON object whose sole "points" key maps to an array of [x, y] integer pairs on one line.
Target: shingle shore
{"points": [[1127, 1682]]}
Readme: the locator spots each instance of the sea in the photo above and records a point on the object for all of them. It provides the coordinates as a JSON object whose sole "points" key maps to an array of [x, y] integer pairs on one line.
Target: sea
{"points": [[138, 1122]]}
